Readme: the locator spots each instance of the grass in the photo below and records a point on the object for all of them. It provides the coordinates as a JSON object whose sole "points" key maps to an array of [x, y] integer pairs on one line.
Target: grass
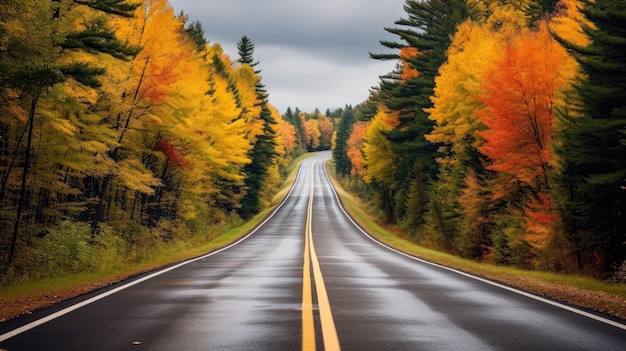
{"points": [[576, 290], [21, 298]]}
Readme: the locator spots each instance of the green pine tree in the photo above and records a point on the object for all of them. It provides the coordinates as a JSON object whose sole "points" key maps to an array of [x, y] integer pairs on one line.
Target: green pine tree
{"points": [[245, 48], [592, 181], [196, 32], [428, 28], [263, 153], [124, 8], [344, 128]]}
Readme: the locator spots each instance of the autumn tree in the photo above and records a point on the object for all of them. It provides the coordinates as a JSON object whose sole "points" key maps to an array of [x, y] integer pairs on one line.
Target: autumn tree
{"points": [[475, 46], [354, 149], [48, 52], [135, 109], [381, 163], [293, 117], [287, 133], [521, 94], [326, 132], [312, 134]]}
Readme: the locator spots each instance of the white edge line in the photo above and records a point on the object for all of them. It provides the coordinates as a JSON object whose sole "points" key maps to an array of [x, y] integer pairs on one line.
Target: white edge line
{"points": [[517, 291], [79, 305]]}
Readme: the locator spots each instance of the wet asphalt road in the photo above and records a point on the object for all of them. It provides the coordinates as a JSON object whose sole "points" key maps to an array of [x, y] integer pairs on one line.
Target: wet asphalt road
{"points": [[250, 297]]}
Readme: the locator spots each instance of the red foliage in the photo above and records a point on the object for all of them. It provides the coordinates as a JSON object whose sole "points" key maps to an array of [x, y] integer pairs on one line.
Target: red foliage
{"points": [[167, 147], [520, 96]]}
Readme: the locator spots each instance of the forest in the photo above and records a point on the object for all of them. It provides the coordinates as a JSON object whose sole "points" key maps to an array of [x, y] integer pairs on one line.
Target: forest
{"points": [[501, 134], [124, 130]]}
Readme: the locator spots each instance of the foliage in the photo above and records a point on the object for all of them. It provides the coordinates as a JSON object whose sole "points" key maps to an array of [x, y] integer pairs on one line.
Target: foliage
{"points": [[424, 38], [122, 131], [508, 145], [591, 180]]}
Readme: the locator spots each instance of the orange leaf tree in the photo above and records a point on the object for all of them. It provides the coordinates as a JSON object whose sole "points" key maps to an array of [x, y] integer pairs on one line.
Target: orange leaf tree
{"points": [[520, 95], [354, 146]]}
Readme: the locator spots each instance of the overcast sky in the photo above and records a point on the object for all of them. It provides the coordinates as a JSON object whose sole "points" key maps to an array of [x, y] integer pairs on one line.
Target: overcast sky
{"points": [[312, 53]]}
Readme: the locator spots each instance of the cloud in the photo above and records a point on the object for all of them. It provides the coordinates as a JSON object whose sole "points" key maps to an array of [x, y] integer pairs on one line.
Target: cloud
{"points": [[312, 53], [299, 79]]}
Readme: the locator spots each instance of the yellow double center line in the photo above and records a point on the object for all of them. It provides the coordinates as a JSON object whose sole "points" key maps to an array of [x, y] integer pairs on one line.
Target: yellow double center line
{"points": [[329, 333]]}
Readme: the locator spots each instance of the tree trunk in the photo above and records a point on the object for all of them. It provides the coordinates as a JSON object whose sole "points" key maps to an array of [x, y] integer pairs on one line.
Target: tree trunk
{"points": [[100, 208], [22, 200]]}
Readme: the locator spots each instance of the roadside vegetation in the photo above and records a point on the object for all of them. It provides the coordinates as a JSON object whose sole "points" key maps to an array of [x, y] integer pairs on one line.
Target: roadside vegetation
{"points": [[125, 132], [577, 290], [499, 137], [105, 268]]}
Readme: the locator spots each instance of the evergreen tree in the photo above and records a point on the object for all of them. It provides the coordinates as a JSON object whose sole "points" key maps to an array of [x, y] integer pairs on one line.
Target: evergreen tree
{"points": [[294, 118], [592, 182], [263, 156], [264, 150], [548, 5], [123, 8], [288, 116], [196, 32], [428, 29], [245, 48], [342, 162]]}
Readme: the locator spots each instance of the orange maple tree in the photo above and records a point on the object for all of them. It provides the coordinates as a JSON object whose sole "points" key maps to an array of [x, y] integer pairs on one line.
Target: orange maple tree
{"points": [[354, 146], [520, 93]]}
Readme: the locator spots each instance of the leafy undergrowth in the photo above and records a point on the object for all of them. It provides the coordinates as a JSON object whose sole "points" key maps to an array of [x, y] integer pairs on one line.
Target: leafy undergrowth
{"points": [[585, 292], [22, 298]]}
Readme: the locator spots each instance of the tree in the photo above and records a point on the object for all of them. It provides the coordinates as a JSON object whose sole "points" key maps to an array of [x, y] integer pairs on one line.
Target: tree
{"points": [[245, 48], [354, 149], [326, 132], [312, 133], [425, 36], [264, 151], [49, 45], [215, 134], [340, 155], [287, 133], [473, 51], [520, 97], [521, 93], [134, 107], [196, 32], [592, 153], [293, 117]]}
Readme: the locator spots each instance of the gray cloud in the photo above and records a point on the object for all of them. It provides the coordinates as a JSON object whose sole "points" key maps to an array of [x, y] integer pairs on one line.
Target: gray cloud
{"points": [[312, 53]]}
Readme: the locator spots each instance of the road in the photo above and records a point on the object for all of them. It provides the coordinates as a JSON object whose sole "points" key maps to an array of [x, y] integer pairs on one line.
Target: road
{"points": [[308, 279]]}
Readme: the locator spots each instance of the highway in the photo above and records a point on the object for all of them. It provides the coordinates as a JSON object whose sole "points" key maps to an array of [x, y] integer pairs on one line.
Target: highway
{"points": [[309, 279]]}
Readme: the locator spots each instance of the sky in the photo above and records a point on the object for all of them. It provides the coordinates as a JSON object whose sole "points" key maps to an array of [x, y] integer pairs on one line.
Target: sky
{"points": [[312, 53]]}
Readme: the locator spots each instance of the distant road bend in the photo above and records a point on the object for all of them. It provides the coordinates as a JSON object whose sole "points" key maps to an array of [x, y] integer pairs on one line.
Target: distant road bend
{"points": [[309, 279]]}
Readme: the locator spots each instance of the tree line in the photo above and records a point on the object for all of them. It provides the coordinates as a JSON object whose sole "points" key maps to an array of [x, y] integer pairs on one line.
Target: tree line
{"points": [[123, 129], [500, 136]]}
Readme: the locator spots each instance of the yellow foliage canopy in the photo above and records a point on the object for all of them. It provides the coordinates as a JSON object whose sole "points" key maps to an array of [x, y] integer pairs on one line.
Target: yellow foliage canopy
{"points": [[380, 159]]}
